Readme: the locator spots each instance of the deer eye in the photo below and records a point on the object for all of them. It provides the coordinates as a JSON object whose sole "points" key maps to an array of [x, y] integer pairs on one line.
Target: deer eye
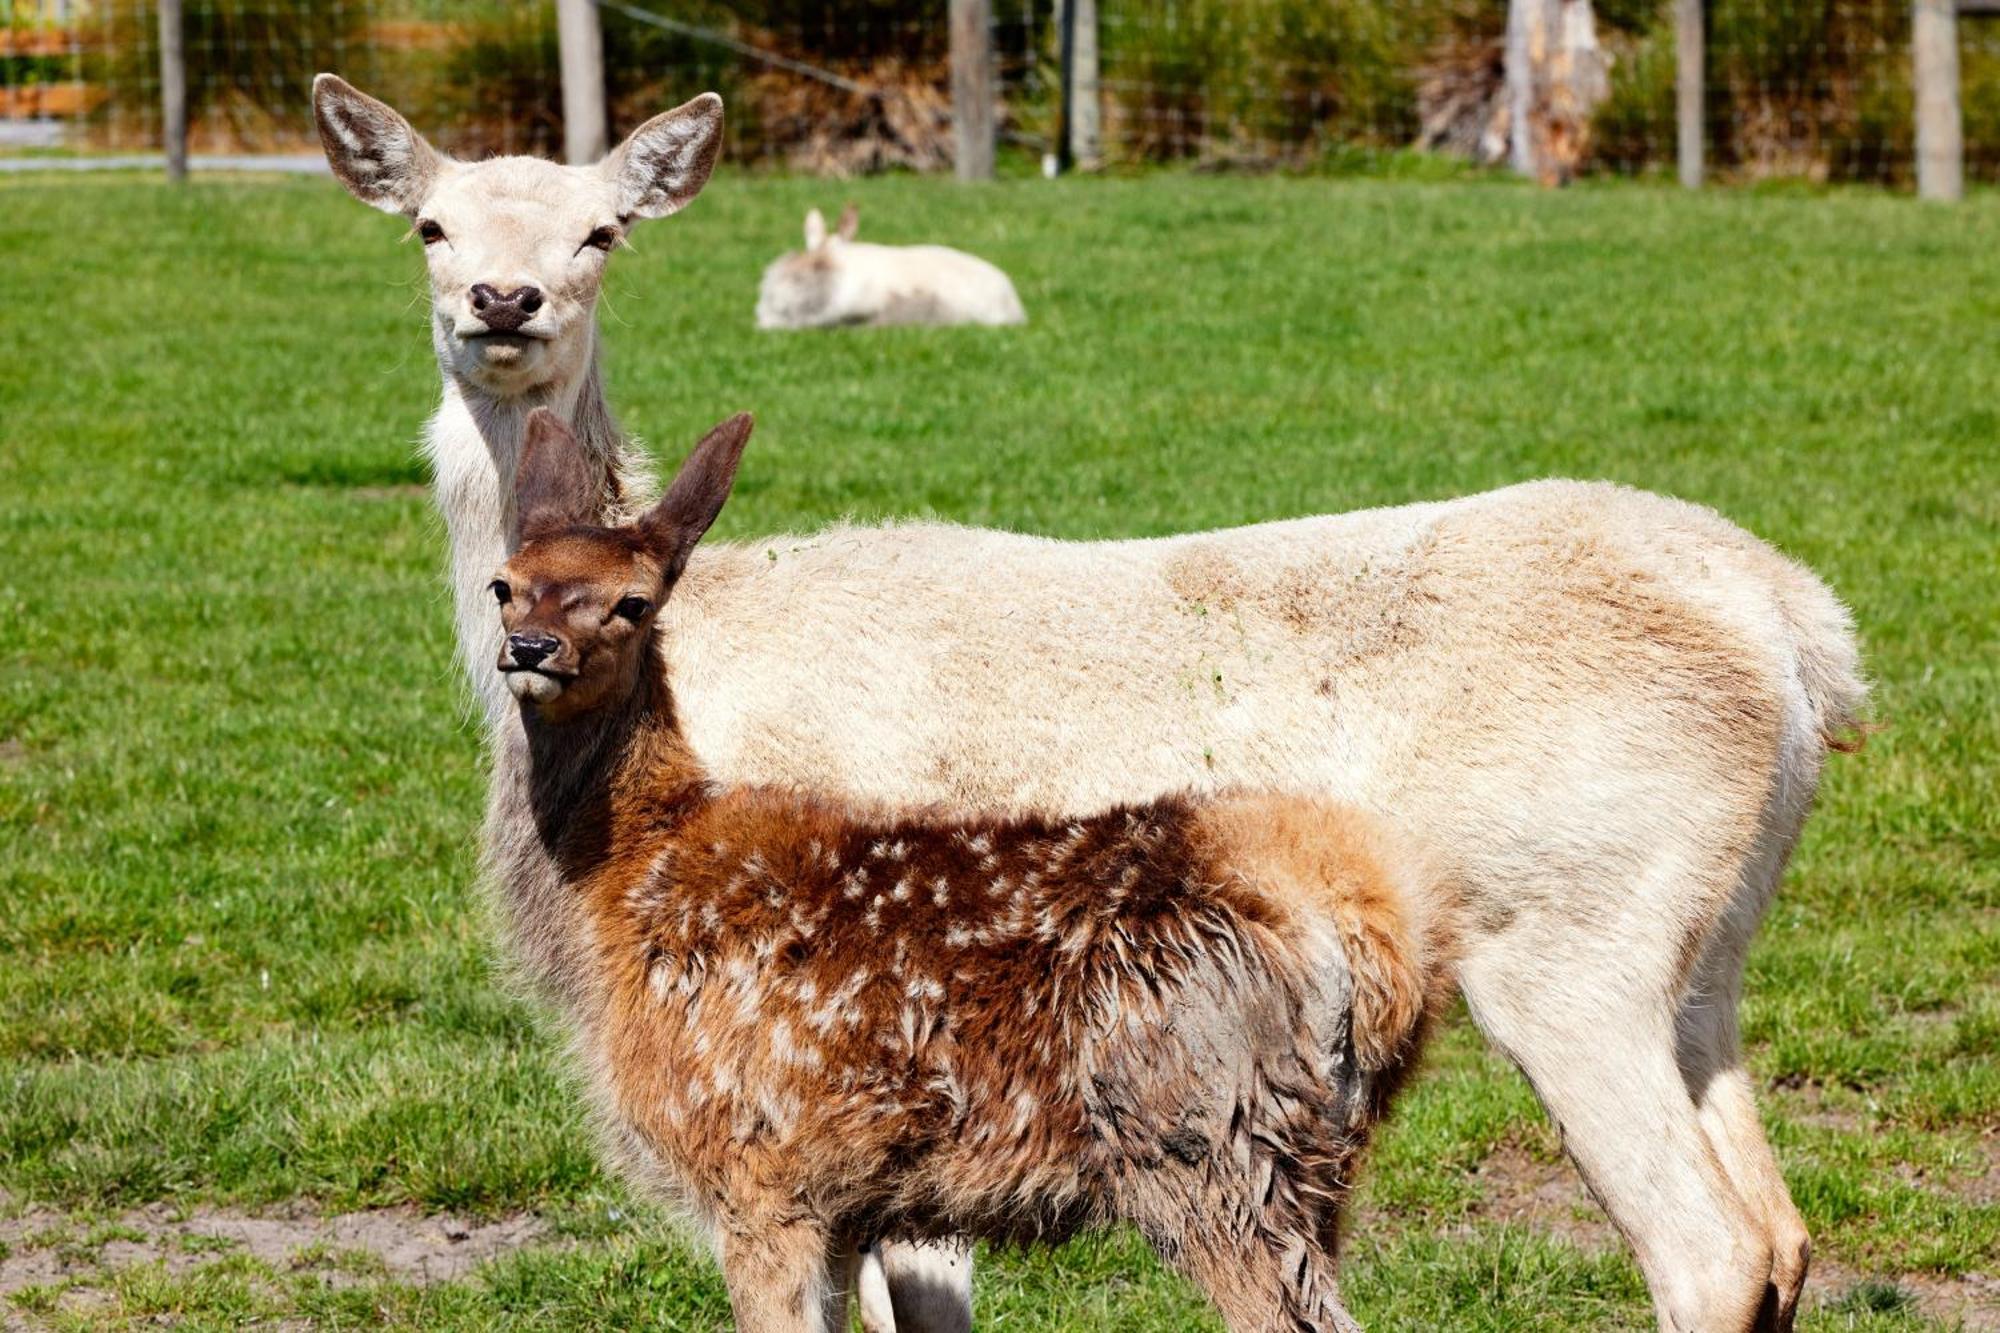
{"points": [[501, 592], [602, 239], [632, 608], [429, 231]]}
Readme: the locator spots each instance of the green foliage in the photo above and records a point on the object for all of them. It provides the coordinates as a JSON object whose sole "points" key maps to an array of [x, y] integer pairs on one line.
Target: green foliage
{"points": [[250, 63], [241, 957], [1260, 79], [1809, 88]]}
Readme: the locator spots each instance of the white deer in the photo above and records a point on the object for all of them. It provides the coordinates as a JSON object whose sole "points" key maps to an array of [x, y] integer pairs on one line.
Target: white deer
{"points": [[1608, 710], [838, 280]]}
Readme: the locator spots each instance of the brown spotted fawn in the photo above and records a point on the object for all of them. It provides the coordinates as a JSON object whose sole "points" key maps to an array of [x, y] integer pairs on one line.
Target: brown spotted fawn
{"points": [[808, 1021]]}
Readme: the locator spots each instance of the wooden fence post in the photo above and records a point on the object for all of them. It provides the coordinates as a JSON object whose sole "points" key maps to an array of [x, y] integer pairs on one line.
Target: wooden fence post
{"points": [[1086, 115], [1531, 34], [174, 89], [972, 87], [580, 48], [1690, 85], [1940, 129]]}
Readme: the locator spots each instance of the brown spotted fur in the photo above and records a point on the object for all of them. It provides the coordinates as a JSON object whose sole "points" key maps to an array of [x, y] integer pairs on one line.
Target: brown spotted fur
{"points": [[811, 1022]]}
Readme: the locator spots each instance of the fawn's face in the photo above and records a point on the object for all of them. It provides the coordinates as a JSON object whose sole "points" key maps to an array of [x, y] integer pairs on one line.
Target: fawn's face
{"points": [[578, 601], [578, 609], [516, 246]]}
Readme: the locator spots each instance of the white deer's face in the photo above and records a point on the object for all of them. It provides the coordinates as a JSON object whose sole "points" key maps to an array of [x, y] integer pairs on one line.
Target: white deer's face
{"points": [[516, 246], [516, 249]]}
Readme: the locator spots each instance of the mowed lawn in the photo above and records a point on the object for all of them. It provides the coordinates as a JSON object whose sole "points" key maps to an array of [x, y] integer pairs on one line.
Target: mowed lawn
{"points": [[242, 958]]}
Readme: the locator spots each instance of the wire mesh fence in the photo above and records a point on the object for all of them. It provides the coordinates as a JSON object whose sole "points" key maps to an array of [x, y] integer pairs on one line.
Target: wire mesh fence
{"points": [[1814, 88]]}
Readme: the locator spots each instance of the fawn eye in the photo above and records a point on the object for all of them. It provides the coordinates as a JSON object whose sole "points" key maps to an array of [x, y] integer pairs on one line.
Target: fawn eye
{"points": [[430, 231], [601, 239], [632, 608], [501, 592]]}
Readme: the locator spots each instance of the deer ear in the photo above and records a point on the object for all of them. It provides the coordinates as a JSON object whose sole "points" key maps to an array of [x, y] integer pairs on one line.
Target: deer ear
{"points": [[850, 222], [815, 229], [684, 513], [662, 167], [553, 485], [372, 150]]}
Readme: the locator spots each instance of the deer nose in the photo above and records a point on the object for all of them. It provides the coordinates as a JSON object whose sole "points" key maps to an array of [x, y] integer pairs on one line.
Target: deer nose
{"points": [[528, 650], [504, 313]]}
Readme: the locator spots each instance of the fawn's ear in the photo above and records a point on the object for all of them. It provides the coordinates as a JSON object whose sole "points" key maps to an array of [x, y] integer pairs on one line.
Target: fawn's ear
{"points": [[372, 150], [815, 229], [684, 513], [553, 485], [663, 165], [850, 222]]}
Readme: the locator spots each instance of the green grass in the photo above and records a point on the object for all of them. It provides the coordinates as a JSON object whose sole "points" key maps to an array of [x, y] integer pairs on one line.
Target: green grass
{"points": [[240, 959]]}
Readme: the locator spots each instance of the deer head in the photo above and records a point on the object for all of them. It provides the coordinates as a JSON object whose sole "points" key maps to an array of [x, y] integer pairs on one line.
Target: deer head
{"points": [[578, 601], [516, 246]]}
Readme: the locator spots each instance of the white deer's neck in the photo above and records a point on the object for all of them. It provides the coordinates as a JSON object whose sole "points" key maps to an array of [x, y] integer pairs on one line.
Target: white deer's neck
{"points": [[474, 443]]}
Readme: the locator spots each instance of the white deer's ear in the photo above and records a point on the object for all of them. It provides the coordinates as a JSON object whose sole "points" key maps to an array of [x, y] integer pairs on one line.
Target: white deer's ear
{"points": [[372, 150], [662, 167], [850, 222], [815, 229]]}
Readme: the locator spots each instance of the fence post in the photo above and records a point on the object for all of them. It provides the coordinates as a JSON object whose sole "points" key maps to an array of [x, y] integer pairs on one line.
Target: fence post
{"points": [[1065, 85], [972, 87], [174, 89], [580, 46], [1526, 48], [1690, 83], [1940, 129], [1086, 116]]}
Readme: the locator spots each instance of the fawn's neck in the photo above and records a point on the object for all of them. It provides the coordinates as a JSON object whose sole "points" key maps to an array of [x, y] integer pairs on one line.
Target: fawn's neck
{"points": [[607, 788]]}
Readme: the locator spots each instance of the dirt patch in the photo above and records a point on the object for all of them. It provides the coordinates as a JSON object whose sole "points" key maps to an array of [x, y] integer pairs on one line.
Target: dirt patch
{"points": [[1982, 1189], [1808, 1103], [1970, 1302], [39, 1247], [12, 752], [1523, 1190]]}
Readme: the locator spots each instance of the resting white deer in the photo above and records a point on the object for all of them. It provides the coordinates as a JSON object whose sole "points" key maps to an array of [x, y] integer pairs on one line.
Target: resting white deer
{"points": [[1610, 710], [838, 280]]}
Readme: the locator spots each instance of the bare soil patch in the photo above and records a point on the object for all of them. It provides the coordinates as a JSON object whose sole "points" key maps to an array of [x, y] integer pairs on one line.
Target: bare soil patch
{"points": [[41, 1247]]}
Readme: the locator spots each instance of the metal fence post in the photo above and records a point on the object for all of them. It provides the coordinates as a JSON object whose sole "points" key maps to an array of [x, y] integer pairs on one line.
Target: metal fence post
{"points": [[174, 89], [1690, 83], [972, 87], [1940, 128], [580, 48]]}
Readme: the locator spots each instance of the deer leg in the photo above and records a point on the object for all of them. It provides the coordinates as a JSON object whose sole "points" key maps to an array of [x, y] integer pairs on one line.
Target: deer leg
{"points": [[929, 1286], [778, 1276], [1600, 1047], [1711, 1060], [1262, 1282]]}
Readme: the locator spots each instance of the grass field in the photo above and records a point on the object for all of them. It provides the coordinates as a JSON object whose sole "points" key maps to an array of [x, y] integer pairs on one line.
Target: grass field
{"points": [[242, 965]]}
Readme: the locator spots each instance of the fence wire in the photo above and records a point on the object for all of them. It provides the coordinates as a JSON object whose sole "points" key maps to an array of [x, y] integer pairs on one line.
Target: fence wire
{"points": [[1813, 88]]}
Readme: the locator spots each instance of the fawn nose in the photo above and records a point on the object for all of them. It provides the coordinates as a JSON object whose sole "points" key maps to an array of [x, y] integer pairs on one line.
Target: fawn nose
{"points": [[505, 312], [528, 650]]}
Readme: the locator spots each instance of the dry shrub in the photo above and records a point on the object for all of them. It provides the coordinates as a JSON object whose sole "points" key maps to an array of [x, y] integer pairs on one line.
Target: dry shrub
{"points": [[1462, 100], [904, 122]]}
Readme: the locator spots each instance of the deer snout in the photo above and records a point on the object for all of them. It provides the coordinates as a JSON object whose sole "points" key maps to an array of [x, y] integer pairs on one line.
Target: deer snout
{"points": [[532, 649], [508, 311]]}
